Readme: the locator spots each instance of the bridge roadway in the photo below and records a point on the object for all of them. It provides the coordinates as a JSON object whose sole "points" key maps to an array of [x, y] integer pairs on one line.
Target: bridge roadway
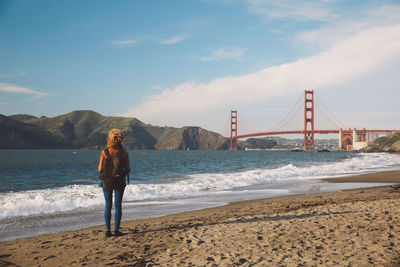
{"points": [[363, 131]]}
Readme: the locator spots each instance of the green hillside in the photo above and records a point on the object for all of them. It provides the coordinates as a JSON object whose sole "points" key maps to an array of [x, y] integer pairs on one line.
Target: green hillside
{"points": [[22, 117], [88, 129], [258, 143]]}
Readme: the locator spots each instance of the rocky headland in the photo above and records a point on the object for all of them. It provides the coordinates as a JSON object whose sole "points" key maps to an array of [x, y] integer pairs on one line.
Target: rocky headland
{"points": [[389, 143]]}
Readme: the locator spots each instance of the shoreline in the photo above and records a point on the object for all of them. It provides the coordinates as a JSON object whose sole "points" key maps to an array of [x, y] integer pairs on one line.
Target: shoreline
{"points": [[377, 177], [356, 226]]}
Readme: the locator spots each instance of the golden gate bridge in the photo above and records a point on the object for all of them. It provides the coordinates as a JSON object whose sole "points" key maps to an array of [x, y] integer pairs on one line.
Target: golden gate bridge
{"points": [[349, 139]]}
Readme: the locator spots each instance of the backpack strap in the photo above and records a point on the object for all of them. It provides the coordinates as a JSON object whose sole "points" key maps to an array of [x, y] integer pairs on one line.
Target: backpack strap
{"points": [[107, 152]]}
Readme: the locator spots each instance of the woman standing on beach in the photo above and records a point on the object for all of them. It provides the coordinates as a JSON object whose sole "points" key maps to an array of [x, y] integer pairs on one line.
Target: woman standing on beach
{"points": [[113, 168]]}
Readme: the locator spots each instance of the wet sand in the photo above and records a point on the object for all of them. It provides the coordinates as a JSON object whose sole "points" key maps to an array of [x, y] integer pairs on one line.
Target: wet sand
{"points": [[380, 177], [358, 227]]}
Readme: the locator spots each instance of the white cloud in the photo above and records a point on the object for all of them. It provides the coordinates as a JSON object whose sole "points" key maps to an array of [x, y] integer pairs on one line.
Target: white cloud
{"points": [[362, 55], [225, 53], [299, 10], [123, 43], [341, 29], [10, 88], [19, 74], [173, 40], [156, 87]]}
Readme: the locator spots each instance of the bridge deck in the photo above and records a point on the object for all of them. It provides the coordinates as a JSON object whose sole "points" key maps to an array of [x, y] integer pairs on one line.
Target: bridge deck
{"points": [[363, 131]]}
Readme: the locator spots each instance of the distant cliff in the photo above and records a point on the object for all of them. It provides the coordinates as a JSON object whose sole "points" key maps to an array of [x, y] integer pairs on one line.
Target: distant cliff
{"points": [[88, 129], [389, 143]]}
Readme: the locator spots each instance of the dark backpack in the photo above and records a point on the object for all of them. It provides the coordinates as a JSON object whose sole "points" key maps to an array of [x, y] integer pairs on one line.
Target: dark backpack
{"points": [[112, 172]]}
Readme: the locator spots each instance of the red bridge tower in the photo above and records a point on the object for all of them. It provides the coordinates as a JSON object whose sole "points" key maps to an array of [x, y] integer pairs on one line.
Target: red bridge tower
{"points": [[308, 120], [233, 139]]}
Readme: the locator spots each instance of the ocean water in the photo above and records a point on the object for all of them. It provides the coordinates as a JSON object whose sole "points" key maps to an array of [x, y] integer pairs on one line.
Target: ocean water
{"points": [[47, 191]]}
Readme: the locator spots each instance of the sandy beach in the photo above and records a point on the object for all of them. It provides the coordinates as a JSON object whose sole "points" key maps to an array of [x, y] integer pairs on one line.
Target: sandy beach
{"points": [[359, 227]]}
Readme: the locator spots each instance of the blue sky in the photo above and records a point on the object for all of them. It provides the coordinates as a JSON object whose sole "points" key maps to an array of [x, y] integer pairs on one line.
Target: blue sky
{"points": [[189, 62]]}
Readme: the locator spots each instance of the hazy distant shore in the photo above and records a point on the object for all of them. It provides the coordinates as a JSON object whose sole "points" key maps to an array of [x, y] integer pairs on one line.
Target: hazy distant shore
{"points": [[358, 227]]}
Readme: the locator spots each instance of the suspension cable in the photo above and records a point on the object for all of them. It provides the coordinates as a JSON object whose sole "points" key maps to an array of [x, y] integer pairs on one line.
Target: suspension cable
{"points": [[291, 113], [226, 132], [331, 114], [326, 116], [246, 126], [299, 108]]}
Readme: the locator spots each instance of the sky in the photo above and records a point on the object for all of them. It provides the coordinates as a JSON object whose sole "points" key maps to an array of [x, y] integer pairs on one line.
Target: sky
{"points": [[190, 62]]}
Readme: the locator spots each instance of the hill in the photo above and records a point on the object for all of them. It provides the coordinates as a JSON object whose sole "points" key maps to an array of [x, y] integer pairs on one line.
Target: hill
{"points": [[258, 143], [389, 143], [15, 134], [88, 129], [21, 117]]}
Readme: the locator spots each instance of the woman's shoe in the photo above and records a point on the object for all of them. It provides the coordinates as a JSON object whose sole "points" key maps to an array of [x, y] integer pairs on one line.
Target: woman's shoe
{"points": [[108, 233], [118, 233]]}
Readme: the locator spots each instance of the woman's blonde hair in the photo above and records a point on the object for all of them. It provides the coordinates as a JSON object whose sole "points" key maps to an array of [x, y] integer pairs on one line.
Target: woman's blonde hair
{"points": [[115, 136]]}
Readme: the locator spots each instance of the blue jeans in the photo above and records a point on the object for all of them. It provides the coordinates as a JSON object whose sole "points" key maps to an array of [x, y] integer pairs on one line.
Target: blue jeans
{"points": [[118, 206]]}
